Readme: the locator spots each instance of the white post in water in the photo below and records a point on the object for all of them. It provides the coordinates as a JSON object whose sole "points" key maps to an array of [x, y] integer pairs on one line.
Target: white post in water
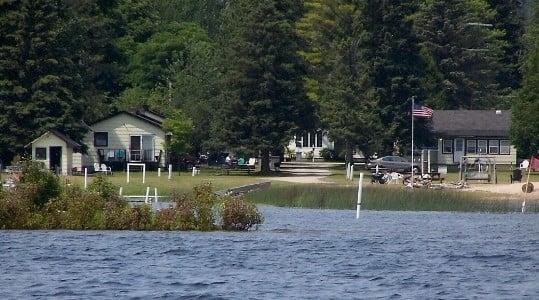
{"points": [[158, 172], [359, 192], [524, 205], [169, 171], [121, 190], [155, 195], [85, 178], [147, 195]]}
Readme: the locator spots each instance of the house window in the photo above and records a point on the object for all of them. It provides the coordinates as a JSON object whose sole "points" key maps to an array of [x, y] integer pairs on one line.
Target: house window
{"points": [[471, 146], [41, 153], [447, 146], [482, 147], [305, 139], [101, 139], [313, 139], [505, 147], [319, 139], [493, 146]]}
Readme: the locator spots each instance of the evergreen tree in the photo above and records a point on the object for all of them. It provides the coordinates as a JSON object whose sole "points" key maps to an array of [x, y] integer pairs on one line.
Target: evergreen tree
{"points": [[465, 52], [525, 119], [265, 93], [40, 85], [509, 18]]}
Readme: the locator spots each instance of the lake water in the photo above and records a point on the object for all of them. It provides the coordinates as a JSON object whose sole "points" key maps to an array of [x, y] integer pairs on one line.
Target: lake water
{"points": [[297, 253]]}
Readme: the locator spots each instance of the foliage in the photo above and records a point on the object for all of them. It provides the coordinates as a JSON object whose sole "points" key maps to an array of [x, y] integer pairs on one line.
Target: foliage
{"points": [[328, 154], [525, 120], [103, 187], [46, 183], [466, 53], [17, 206], [238, 214], [181, 127], [265, 97]]}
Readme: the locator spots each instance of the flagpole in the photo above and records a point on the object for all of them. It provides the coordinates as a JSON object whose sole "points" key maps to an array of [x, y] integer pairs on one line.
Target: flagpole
{"points": [[413, 100]]}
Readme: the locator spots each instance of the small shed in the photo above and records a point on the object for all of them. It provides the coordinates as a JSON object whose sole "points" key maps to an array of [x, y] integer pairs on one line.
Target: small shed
{"points": [[55, 150]]}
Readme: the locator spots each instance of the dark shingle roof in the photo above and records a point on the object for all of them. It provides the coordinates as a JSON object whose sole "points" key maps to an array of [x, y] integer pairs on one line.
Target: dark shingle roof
{"points": [[471, 122]]}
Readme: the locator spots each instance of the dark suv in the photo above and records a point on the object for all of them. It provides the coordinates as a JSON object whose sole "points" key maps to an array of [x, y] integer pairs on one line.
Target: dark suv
{"points": [[394, 163]]}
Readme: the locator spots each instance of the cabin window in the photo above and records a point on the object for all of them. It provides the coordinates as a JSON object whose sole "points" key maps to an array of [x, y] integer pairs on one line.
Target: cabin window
{"points": [[482, 147], [493, 147], [305, 139], [41, 153], [319, 136], [101, 139], [471, 146], [447, 146], [505, 147]]}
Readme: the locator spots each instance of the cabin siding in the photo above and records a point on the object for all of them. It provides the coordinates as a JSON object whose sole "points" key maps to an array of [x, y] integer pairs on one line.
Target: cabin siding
{"points": [[120, 128], [50, 140]]}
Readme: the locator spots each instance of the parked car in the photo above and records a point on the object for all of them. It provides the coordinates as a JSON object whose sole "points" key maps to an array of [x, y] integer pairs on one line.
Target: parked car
{"points": [[394, 164]]}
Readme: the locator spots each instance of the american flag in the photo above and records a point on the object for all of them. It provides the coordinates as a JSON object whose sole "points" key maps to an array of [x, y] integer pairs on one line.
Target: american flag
{"points": [[422, 111]]}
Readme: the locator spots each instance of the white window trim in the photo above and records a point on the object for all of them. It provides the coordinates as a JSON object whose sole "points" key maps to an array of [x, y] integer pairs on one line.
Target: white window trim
{"points": [[475, 147], [443, 146], [508, 152], [497, 146]]}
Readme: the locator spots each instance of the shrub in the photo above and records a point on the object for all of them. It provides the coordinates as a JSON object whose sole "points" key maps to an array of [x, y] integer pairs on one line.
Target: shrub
{"points": [[75, 209], [140, 217], [204, 200], [103, 187], [328, 154], [17, 207], [238, 214], [46, 183]]}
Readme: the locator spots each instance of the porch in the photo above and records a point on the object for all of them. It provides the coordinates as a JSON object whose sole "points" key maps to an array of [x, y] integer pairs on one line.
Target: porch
{"points": [[117, 159]]}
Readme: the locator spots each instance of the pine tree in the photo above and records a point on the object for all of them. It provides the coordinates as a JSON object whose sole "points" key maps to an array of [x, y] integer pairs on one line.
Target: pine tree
{"points": [[510, 19], [525, 119], [465, 52], [265, 96], [40, 84]]}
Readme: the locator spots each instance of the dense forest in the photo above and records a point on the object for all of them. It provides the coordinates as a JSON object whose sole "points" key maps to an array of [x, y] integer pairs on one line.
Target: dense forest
{"points": [[248, 75]]}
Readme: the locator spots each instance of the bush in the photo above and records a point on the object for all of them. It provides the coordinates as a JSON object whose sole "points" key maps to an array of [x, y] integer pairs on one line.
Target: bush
{"points": [[328, 154], [17, 207], [103, 187], [204, 200], [46, 183], [75, 209], [238, 214]]}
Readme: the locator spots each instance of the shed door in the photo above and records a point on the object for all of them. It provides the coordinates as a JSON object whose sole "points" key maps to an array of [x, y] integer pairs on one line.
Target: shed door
{"points": [[459, 150]]}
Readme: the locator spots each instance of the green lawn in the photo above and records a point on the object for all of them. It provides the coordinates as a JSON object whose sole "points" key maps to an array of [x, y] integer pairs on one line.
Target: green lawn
{"points": [[180, 182]]}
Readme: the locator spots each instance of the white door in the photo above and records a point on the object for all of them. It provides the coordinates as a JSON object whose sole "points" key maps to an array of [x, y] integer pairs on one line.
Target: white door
{"points": [[459, 150]]}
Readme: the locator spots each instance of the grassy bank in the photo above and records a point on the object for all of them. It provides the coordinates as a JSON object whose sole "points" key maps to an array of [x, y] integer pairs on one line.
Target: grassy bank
{"points": [[376, 197]]}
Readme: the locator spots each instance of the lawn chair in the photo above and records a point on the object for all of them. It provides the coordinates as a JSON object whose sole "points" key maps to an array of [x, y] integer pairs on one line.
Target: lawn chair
{"points": [[107, 170], [516, 175]]}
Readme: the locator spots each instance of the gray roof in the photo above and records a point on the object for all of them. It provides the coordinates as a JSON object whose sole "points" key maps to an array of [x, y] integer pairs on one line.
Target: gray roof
{"points": [[487, 123]]}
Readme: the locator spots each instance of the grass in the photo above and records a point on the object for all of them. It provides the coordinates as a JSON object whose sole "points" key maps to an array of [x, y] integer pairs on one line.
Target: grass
{"points": [[180, 182], [383, 197], [341, 195]]}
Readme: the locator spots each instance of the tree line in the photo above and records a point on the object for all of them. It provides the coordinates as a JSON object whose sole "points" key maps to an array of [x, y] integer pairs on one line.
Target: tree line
{"points": [[248, 75]]}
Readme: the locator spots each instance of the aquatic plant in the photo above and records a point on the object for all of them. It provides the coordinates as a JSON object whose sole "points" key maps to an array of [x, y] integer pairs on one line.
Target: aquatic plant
{"points": [[238, 214], [100, 208], [377, 197]]}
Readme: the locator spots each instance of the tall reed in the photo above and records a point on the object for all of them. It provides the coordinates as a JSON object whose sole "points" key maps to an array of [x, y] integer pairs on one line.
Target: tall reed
{"points": [[385, 198]]}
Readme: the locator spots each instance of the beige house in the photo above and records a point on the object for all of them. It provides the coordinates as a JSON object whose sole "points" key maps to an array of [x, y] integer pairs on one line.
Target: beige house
{"points": [[127, 136], [473, 133], [55, 150]]}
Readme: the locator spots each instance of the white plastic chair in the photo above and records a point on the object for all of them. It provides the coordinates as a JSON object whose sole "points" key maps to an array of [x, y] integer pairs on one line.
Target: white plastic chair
{"points": [[106, 169]]}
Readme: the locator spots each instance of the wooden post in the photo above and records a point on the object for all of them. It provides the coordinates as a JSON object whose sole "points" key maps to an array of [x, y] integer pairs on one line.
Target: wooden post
{"points": [[169, 171], [158, 172], [121, 190], [155, 195], [147, 195], [127, 173]]}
